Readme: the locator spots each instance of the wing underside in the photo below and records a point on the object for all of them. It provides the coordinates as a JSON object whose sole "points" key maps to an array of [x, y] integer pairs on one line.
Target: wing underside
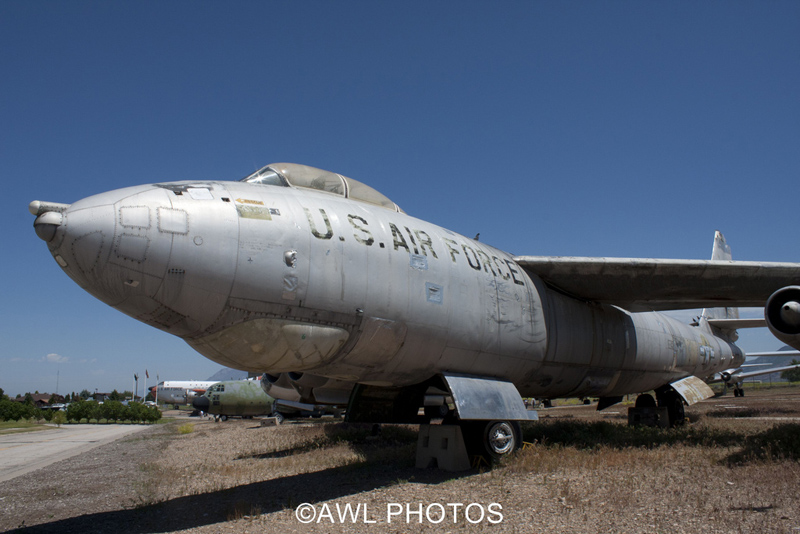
{"points": [[658, 284]]}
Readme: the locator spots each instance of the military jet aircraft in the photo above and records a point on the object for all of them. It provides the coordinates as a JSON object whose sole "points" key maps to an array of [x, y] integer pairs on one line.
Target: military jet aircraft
{"points": [[734, 378], [329, 288], [240, 398], [246, 398]]}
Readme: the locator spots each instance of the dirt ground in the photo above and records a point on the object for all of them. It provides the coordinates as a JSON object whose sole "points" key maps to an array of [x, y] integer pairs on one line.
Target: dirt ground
{"points": [[734, 468]]}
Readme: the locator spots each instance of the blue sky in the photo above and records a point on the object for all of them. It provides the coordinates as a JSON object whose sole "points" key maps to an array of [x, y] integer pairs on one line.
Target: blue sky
{"points": [[553, 128]]}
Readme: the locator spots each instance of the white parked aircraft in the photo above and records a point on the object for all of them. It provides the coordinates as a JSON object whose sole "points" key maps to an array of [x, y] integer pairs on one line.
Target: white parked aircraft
{"points": [[179, 391]]}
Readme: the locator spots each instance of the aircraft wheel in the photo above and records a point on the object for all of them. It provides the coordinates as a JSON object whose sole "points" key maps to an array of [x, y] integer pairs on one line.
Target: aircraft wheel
{"points": [[645, 400], [736, 392], [224, 417], [278, 417], [492, 439], [674, 404]]}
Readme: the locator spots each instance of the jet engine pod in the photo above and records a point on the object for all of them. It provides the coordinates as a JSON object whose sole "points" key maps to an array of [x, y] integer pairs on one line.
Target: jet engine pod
{"points": [[307, 380], [278, 387], [782, 313]]}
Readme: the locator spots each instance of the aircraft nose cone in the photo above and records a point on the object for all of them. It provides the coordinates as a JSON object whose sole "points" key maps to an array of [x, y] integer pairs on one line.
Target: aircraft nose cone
{"points": [[165, 254], [201, 403], [104, 242], [790, 313]]}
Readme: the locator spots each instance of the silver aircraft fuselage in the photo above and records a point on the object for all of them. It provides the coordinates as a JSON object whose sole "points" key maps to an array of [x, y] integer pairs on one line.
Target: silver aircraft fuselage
{"points": [[276, 278]]}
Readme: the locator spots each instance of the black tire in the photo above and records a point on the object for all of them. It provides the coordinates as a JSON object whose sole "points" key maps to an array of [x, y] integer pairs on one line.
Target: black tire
{"points": [[645, 400], [492, 440], [674, 404], [278, 417]]}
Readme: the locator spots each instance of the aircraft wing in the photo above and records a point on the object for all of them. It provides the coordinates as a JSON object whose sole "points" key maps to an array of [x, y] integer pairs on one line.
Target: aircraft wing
{"points": [[782, 353], [658, 284], [741, 376]]}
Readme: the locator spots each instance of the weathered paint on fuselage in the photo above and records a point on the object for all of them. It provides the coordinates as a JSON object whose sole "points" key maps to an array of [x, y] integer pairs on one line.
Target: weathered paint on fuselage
{"points": [[280, 279], [242, 398]]}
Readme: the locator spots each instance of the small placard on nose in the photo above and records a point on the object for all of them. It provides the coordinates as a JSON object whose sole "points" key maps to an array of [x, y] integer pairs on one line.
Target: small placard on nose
{"points": [[173, 221]]}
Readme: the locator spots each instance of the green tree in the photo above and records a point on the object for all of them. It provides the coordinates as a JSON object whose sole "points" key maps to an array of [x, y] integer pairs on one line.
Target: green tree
{"points": [[139, 413], [28, 399], [59, 418], [792, 375], [95, 410], [3, 395], [77, 411], [115, 396], [85, 394], [9, 410], [155, 414], [112, 410]]}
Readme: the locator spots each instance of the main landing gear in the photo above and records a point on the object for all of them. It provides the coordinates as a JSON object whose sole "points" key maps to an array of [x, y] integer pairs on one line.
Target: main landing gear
{"points": [[461, 445], [668, 411], [491, 439]]}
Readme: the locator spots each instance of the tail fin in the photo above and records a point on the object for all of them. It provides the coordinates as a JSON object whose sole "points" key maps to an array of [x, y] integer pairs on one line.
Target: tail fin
{"points": [[721, 252]]}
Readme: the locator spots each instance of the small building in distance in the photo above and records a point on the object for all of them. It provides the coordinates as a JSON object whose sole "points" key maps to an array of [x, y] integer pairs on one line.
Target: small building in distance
{"points": [[40, 400]]}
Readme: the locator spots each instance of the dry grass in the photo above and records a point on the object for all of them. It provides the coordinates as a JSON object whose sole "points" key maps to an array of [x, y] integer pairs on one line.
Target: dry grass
{"points": [[734, 468], [585, 472], [223, 456]]}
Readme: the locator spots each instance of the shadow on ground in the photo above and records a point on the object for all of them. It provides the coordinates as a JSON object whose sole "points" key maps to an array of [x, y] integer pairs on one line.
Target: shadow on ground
{"points": [[261, 497]]}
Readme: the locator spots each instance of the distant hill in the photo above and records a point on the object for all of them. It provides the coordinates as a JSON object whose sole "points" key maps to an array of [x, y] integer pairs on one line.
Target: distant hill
{"points": [[772, 361], [226, 373]]}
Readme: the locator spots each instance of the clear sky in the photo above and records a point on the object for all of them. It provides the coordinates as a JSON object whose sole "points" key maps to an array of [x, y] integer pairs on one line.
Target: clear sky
{"points": [[587, 128]]}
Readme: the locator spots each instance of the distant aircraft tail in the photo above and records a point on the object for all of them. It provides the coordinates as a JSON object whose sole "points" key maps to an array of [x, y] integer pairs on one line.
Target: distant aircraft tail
{"points": [[721, 252]]}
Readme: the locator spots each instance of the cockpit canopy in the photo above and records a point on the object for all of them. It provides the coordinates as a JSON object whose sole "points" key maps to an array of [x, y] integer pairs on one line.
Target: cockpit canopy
{"points": [[295, 175]]}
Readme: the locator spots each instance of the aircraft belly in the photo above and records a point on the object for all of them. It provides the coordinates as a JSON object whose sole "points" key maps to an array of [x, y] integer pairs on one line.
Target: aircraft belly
{"points": [[275, 345]]}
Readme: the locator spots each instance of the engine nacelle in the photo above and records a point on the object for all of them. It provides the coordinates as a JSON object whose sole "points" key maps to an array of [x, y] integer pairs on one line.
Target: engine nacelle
{"points": [[782, 313], [280, 387], [307, 388]]}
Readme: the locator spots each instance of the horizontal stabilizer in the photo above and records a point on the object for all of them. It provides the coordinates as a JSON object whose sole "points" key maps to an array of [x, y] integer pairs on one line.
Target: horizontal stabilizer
{"points": [[736, 324]]}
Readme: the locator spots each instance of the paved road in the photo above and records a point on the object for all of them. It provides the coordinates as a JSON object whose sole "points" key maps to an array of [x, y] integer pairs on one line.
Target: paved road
{"points": [[28, 451]]}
